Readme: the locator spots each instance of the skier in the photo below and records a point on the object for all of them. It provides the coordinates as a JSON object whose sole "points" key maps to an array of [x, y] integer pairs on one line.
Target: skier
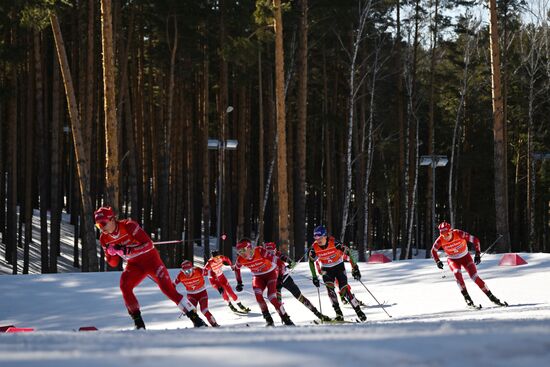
{"points": [[455, 244], [214, 270], [285, 280], [192, 279], [264, 270], [127, 240], [330, 254]]}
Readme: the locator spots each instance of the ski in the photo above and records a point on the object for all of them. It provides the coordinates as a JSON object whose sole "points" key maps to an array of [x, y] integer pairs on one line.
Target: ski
{"points": [[239, 312], [334, 322], [475, 307]]}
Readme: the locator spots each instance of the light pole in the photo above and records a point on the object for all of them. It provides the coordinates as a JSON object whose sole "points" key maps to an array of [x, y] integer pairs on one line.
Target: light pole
{"points": [[221, 145], [433, 161]]}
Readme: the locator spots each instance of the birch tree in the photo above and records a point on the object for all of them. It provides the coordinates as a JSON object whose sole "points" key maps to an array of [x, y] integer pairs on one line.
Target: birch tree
{"points": [[355, 79]]}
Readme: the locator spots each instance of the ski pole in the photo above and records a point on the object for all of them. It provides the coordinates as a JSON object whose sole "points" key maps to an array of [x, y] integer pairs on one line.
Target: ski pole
{"points": [[490, 247], [319, 297], [363, 284], [291, 270]]}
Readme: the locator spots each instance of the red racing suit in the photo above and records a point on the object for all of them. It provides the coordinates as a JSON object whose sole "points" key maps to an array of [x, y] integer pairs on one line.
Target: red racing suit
{"points": [[196, 291], [264, 275], [458, 256], [136, 247], [214, 270]]}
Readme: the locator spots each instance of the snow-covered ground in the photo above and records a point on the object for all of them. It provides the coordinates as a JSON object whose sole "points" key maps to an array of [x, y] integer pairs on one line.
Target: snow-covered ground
{"points": [[430, 324]]}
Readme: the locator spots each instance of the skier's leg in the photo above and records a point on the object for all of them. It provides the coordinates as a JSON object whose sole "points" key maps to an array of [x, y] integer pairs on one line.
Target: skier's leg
{"points": [[130, 278], [472, 272], [203, 301], [258, 286], [227, 288], [271, 278]]}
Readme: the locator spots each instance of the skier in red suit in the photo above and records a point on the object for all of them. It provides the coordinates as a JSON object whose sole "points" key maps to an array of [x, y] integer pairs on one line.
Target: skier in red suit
{"points": [[264, 270], [285, 280], [455, 244], [214, 270], [127, 240], [192, 279]]}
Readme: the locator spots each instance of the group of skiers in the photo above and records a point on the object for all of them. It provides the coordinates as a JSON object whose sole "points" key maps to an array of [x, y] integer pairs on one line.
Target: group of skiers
{"points": [[125, 239]]}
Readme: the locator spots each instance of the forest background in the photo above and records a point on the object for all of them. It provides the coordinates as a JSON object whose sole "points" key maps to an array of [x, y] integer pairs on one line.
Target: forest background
{"points": [[336, 106]]}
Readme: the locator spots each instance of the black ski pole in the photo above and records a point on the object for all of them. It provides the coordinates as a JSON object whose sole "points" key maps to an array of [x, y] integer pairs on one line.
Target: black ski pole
{"points": [[319, 297], [490, 247], [363, 284]]}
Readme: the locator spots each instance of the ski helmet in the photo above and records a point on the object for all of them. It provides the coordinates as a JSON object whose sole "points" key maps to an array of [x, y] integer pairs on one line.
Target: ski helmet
{"points": [[103, 215], [320, 231], [214, 253], [444, 227], [187, 267], [244, 247]]}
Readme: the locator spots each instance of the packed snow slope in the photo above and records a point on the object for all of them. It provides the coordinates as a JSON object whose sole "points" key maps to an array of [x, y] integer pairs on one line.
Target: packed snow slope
{"points": [[430, 323]]}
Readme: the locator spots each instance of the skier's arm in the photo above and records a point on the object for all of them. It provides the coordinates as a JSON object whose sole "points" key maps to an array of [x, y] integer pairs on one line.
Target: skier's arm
{"points": [[436, 246], [238, 272], [138, 233], [109, 259], [226, 261], [470, 238], [312, 257]]}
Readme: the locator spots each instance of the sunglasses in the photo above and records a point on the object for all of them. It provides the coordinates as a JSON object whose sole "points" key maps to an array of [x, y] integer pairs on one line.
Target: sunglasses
{"points": [[187, 271], [243, 251], [316, 236], [101, 224]]}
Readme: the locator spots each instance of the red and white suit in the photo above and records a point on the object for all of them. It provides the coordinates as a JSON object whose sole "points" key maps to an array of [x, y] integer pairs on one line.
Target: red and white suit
{"points": [[264, 270], [196, 291], [214, 270], [458, 256], [135, 246]]}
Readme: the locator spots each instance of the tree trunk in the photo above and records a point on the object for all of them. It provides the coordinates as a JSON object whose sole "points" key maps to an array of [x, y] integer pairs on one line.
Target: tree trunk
{"points": [[261, 155], [300, 140], [112, 170], [499, 135], [56, 183], [29, 155], [11, 213], [89, 251], [43, 153], [281, 125], [204, 107]]}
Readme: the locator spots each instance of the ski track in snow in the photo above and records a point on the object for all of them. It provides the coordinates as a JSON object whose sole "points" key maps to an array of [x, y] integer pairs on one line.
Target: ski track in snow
{"points": [[431, 324]]}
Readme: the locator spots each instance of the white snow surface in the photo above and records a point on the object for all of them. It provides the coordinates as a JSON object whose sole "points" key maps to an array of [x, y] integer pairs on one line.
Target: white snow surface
{"points": [[430, 323]]}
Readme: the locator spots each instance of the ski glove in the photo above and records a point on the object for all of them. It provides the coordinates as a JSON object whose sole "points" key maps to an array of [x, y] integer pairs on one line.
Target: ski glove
{"points": [[439, 264], [316, 282], [239, 287], [115, 250], [477, 258], [356, 273]]}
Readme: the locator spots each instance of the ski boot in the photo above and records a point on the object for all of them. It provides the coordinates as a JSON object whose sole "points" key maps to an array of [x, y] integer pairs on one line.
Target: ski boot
{"points": [[339, 314], [495, 300], [243, 307], [138, 321], [232, 308], [286, 320], [360, 314], [320, 316], [195, 318], [467, 298], [268, 318]]}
